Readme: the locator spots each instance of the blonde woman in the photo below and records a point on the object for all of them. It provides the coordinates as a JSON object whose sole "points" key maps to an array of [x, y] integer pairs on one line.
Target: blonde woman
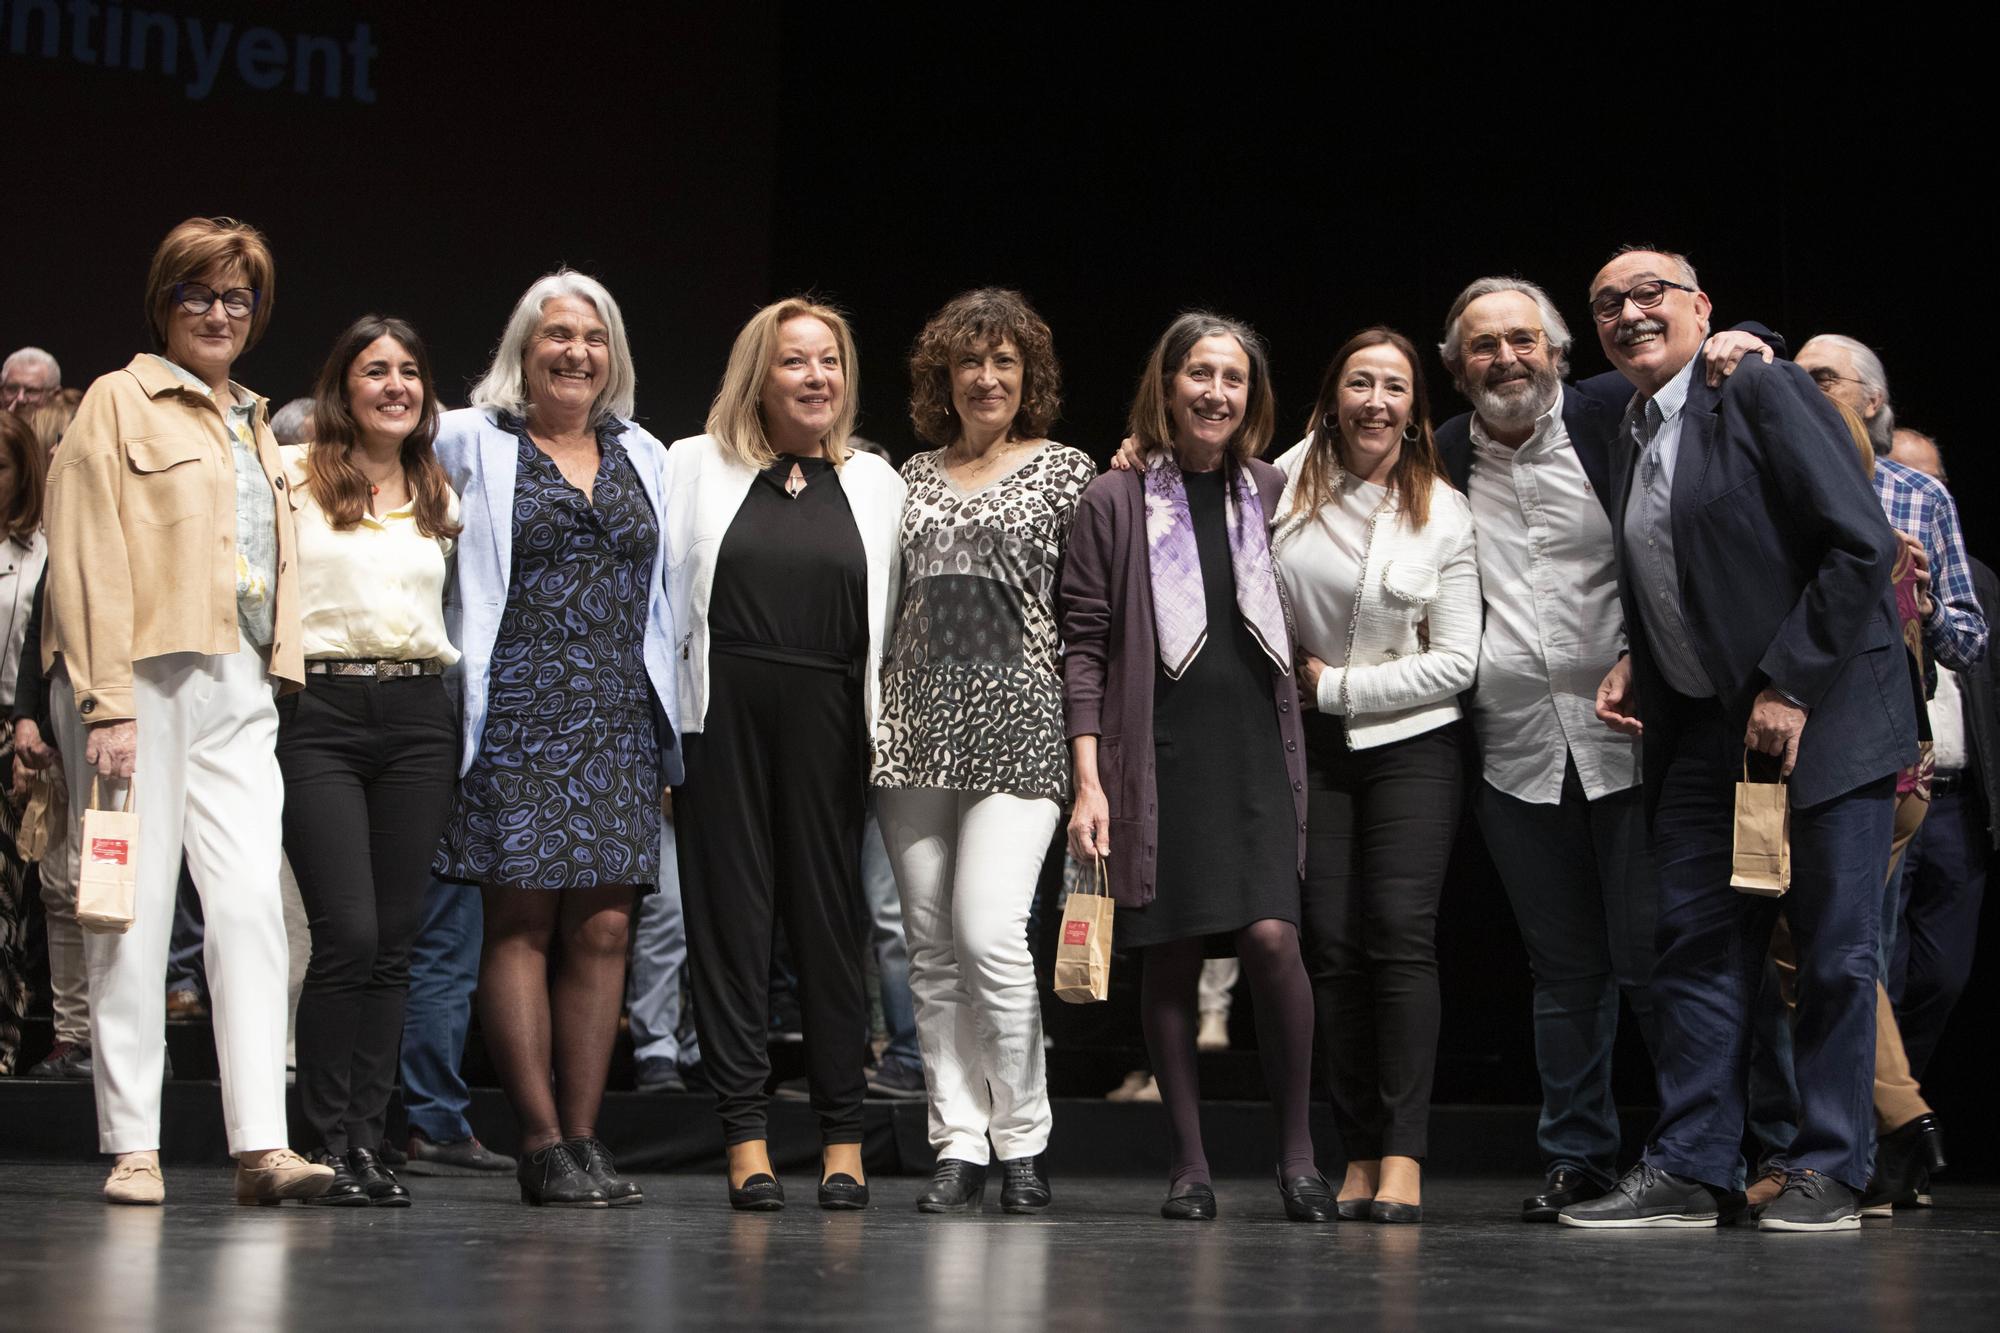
{"points": [[783, 565]]}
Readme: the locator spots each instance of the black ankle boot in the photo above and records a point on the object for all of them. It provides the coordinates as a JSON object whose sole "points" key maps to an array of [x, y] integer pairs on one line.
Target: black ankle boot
{"points": [[378, 1182], [956, 1187], [554, 1178], [1022, 1189]]}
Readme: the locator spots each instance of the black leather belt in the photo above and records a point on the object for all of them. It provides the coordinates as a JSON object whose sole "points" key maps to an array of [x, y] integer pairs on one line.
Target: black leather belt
{"points": [[1943, 784], [373, 668]]}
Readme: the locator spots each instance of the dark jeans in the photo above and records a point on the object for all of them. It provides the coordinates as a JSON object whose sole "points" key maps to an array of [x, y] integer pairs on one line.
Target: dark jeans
{"points": [[1380, 824], [1713, 943], [185, 968], [444, 972], [1940, 889], [1580, 878], [368, 767]]}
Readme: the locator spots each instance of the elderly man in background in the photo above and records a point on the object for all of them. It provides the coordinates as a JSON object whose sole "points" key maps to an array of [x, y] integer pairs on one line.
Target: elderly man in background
{"points": [[28, 378], [1849, 372], [1914, 449], [292, 423]]}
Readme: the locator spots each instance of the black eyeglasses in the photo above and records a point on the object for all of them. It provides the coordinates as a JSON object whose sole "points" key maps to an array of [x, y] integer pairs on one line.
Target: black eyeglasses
{"points": [[196, 299], [1487, 345], [1607, 306]]}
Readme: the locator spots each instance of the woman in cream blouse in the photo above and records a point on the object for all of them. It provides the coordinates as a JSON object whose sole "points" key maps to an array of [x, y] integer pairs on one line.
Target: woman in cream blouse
{"points": [[1374, 549], [369, 750]]}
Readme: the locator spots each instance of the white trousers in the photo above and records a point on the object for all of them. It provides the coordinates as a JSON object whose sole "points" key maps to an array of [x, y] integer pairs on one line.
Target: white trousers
{"points": [[1218, 978], [69, 983], [206, 783], [966, 865]]}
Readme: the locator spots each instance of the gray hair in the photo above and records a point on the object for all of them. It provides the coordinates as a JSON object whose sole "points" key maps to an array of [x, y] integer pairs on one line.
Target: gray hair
{"points": [[1868, 369], [1552, 321], [36, 357], [1678, 260], [292, 423], [503, 386]]}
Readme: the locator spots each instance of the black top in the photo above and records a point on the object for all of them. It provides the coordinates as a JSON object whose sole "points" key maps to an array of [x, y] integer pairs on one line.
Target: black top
{"points": [[1228, 846], [791, 579]]}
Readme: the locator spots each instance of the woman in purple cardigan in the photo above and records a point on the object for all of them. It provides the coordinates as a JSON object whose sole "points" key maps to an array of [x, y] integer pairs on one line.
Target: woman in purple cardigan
{"points": [[1184, 732]]}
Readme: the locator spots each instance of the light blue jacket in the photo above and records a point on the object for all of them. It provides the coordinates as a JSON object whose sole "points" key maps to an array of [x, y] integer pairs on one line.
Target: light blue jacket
{"points": [[480, 456]]}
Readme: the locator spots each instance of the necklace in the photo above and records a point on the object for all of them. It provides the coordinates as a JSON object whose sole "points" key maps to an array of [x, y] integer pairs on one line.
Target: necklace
{"points": [[795, 484]]}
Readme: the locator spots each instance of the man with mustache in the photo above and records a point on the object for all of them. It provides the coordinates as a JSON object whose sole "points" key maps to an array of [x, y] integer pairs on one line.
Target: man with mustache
{"points": [[1755, 579], [1559, 799]]}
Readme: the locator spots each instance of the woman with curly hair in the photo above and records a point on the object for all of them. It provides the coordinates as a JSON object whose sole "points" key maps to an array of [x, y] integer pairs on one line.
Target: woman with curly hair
{"points": [[970, 756]]}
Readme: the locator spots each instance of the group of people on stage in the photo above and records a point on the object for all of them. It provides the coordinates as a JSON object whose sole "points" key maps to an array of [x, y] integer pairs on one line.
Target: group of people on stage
{"points": [[484, 647]]}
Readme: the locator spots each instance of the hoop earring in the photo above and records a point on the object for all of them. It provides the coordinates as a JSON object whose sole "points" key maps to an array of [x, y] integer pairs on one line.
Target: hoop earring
{"points": [[1411, 434], [1329, 429]]}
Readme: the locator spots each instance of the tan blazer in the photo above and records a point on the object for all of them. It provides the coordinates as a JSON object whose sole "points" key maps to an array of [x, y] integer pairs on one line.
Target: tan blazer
{"points": [[141, 523]]}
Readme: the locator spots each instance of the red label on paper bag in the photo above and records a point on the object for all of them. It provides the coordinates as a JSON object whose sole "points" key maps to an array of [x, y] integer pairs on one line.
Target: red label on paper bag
{"points": [[109, 851], [1076, 932]]}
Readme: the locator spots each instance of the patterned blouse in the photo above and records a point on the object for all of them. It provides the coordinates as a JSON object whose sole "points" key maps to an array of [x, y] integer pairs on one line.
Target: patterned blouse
{"points": [[972, 694]]}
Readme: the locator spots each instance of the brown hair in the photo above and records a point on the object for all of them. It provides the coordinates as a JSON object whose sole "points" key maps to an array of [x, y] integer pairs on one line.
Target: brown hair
{"points": [[1149, 421], [338, 487], [198, 246], [1417, 469], [977, 319], [21, 512], [50, 420]]}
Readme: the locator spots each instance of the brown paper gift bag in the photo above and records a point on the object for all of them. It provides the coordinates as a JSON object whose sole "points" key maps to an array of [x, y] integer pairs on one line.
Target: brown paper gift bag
{"points": [[1762, 859], [1083, 954], [107, 884], [44, 821]]}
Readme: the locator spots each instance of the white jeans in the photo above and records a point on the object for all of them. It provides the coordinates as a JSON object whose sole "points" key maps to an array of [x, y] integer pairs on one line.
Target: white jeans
{"points": [[206, 783], [966, 865]]}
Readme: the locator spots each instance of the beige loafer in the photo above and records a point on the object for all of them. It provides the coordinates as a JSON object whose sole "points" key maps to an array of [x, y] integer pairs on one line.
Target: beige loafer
{"points": [[136, 1180], [279, 1175]]}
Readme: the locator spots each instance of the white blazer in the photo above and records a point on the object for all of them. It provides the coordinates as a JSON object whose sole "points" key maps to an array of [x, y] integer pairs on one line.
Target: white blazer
{"points": [[705, 487], [1417, 616]]}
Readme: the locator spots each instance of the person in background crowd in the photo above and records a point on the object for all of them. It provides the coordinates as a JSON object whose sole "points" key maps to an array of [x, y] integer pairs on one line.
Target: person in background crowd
{"points": [[1848, 371], [664, 1047], [293, 423], [785, 564], [437, 1015], [567, 680], [28, 378], [1767, 623], [1182, 716], [970, 764], [369, 749], [50, 420], [1914, 449], [173, 611], [23, 551], [1218, 979]]}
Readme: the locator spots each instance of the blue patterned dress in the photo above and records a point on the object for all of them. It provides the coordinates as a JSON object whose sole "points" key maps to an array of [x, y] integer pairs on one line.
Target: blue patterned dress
{"points": [[565, 790]]}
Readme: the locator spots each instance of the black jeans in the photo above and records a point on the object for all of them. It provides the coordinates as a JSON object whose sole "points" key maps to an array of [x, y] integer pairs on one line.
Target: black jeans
{"points": [[1379, 828], [369, 767]]}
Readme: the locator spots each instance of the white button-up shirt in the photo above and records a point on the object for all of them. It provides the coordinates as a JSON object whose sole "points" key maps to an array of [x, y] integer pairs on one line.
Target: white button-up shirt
{"points": [[1548, 572]]}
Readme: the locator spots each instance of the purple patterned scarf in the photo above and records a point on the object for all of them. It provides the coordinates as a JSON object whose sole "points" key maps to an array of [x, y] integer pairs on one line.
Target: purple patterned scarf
{"points": [[1180, 610]]}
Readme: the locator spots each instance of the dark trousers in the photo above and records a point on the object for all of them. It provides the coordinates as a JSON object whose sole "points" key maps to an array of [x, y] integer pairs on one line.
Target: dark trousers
{"points": [[1379, 829], [1713, 941], [1939, 892], [368, 767], [444, 972], [1580, 878], [769, 822]]}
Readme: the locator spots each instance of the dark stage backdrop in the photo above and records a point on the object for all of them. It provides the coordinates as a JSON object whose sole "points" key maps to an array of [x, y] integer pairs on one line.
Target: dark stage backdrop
{"points": [[1312, 175]]}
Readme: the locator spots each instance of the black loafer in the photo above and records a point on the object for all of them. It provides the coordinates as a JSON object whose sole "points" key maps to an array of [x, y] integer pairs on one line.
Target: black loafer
{"points": [[1566, 1185], [378, 1182], [345, 1191], [760, 1193], [597, 1163], [1196, 1203], [956, 1187], [553, 1178], [841, 1192], [1022, 1189], [1307, 1199], [1387, 1210]]}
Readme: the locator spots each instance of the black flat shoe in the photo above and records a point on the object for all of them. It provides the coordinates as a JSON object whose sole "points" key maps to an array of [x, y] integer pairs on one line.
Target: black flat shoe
{"points": [[553, 1178], [378, 1182], [597, 1163], [841, 1192], [345, 1191], [1352, 1210], [956, 1187], [1194, 1204], [1565, 1185], [761, 1193], [1307, 1199], [1022, 1189], [1382, 1210]]}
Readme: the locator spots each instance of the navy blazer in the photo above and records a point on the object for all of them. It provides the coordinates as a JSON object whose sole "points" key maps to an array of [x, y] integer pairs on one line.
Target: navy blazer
{"points": [[1784, 559]]}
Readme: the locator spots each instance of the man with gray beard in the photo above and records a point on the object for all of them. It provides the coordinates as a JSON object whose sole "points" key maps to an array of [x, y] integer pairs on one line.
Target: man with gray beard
{"points": [[1559, 799]]}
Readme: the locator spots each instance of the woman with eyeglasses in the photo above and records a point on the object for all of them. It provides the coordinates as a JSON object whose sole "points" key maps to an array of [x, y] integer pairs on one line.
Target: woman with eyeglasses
{"points": [[172, 620]]}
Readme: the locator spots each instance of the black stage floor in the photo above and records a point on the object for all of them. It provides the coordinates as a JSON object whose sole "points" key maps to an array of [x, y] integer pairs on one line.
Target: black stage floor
{"points": [[470, 1255]]}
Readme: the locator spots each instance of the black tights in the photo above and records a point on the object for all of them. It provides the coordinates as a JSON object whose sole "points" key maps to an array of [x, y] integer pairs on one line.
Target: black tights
{"points": [[568, 1022], [1269, 950]]}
